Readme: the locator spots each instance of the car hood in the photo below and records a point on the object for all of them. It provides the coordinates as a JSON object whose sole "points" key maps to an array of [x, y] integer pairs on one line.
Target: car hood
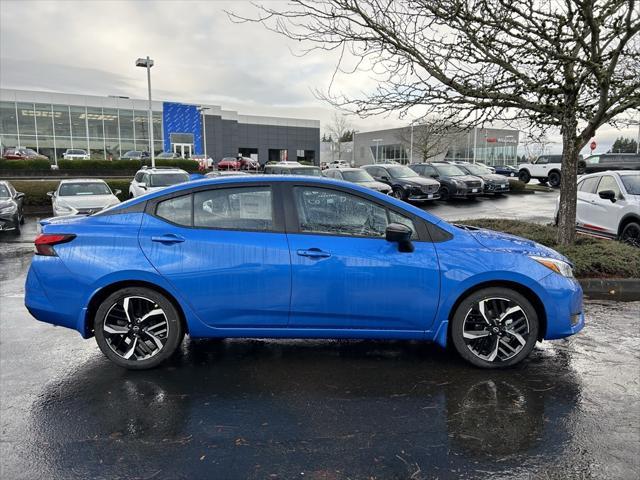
{"points": [[511, 243], [375, 185], [419, 181], [465, 178], [493, 177], [88, 201]]}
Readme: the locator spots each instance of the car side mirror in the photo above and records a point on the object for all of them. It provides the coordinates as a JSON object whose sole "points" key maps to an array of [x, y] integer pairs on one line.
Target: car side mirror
{"points": [[608, 195], [117, 192], [400, 234], [385, 178], [51, 194], [143, 186], [19, 195]]}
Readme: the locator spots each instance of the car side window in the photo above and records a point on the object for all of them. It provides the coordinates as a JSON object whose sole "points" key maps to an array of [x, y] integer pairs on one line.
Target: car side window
{"points": [[588, 185], [176, 210], [608, 183], [243, 208], [542, 161]]}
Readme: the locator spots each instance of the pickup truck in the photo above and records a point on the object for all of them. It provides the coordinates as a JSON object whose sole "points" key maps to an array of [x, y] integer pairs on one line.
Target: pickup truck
{"points": [[609, 161], [545, 168]]}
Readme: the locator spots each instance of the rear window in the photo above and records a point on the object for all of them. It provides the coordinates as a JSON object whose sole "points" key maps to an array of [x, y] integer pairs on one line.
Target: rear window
{"points": [[244, 208]]}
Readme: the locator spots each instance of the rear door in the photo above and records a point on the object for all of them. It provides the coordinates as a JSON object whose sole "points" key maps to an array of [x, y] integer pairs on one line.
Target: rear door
{"points": [[346, 275], [225, 251], [585, 215]]}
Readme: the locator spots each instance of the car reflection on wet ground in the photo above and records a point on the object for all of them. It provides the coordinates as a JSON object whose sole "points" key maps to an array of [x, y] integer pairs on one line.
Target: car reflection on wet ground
{"points": [[317, 409]]}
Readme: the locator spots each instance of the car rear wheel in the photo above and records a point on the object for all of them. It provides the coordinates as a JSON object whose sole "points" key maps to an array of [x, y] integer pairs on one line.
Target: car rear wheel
{"points": [[631, 234], [524, 176], [137, 328], [554, 179], [494, 327]]}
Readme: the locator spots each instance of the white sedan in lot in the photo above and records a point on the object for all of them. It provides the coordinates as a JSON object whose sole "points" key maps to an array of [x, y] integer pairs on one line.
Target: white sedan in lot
{"points": [[609, 205], [82, 197]]}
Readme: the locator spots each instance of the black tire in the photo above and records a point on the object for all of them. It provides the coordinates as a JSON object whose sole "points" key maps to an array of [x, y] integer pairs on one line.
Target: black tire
{"points": [[524, 176], [444, 194], [631, 234], [112, 343], [399, 193], [467, 315], [16, 230], [22, 219], [554, 179]]}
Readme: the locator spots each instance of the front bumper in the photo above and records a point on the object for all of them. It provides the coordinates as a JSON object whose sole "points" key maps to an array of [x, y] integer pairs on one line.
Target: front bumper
{"points": [[423, 197], [496, 188], [9, 221], [563, 305], [464, 192]]}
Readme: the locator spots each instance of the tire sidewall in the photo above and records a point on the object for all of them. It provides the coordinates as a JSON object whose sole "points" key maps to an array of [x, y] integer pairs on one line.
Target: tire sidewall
{"points": [[552, 179], [627, 226], [457, 323], [524, 176], [175, 330], [398, 193]]}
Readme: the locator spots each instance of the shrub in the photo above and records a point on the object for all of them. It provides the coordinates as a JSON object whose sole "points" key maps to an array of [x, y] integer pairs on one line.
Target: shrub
{"points": [[516, 185], [591, 257], [39, 164]]}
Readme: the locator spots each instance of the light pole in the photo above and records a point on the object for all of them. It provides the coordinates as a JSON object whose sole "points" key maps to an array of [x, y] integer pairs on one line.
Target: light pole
{"points": [[148, 63], [204, 129], [377, 140]]}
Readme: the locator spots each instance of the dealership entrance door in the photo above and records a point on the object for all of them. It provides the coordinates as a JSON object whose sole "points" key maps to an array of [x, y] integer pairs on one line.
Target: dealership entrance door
{"points": [[183, 150]]}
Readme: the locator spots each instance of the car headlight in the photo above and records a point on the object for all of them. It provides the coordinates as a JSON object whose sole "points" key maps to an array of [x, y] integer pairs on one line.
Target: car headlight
{"points": [[63, 208], [558, 266], [11, 208]]}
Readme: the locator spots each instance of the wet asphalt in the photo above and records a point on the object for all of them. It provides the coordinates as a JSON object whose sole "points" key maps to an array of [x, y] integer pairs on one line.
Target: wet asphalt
{"points": [[275, 409]]}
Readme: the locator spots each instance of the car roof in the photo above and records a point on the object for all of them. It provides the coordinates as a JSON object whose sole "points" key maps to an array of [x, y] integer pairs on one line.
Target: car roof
{"points": [[162, 170], [347, 169], [289, 165], [384, 165], [82, 180]]}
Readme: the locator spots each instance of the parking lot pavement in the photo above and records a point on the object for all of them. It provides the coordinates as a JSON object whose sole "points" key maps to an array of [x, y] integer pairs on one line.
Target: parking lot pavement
{"points": [[316, 409], [538, 207]]}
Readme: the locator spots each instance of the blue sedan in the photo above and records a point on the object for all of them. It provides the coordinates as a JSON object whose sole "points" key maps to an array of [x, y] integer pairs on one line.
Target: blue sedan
{"points": [[294, 257]]}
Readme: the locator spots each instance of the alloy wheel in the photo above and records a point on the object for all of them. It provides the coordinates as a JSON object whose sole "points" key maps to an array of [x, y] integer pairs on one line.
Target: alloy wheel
{"points": [[136, 328], [495, 329], [631, 234]]}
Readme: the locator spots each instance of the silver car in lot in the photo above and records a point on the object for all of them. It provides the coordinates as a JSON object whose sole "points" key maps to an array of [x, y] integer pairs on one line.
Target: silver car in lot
{"points": [[82, 197]]}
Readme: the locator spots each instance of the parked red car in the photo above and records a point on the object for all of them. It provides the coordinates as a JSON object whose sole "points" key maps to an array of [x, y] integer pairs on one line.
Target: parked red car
{"points": [[238, 163], [16, 153]]}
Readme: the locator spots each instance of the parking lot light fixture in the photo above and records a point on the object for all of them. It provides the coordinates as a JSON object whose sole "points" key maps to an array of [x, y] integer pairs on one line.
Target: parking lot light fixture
{"points": [[148, 63], [202, 110]]}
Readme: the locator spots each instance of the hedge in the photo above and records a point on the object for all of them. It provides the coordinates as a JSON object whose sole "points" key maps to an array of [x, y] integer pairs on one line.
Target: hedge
{"points": [[35, 191], [129, 166]]}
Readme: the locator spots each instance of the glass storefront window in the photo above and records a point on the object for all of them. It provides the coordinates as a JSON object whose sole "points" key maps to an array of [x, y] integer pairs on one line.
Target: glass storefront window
{"points": [[142, 127], [94, 122], [110, 118], [45, 145], [28, 141], [26, 119], [8, 123], [61, 121], [126, 146], [126, 124], [112, 149], [96, 149], [79, 127], [8, 141], [157, 125], [44, 119], [62, 143]]}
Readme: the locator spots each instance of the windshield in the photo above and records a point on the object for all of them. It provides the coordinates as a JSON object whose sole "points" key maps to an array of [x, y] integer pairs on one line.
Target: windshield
{"points": [[631, 183], [449, 171], [477, 169], [357, 176], [166, 179], [84, 188], [401, 172], [4, 192], [314, 172], [76, 152]]}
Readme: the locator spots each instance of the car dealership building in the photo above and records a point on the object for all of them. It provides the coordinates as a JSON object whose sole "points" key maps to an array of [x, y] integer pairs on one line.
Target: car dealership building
{"points": [[107, 127]]}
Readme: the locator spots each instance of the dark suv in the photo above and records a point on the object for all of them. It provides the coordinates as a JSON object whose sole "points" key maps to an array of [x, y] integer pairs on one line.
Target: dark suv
{"points": [[405, 183], [609, 161], [454, 182]]}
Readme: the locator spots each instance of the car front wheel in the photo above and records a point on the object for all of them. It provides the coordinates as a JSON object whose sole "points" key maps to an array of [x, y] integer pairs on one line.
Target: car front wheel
{"points": [[398, 193], [494, 327], [524, 176], [137, 328]]}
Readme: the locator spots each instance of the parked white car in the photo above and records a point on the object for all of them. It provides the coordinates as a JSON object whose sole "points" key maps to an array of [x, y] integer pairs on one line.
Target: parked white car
{"points": [[75, 154], [82, 197], [151, 179], [609, 205]]}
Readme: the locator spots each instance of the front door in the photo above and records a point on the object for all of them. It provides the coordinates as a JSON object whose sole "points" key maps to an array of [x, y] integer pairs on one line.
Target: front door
{"points": [[225, 253], [347, 276], [183, 150]]}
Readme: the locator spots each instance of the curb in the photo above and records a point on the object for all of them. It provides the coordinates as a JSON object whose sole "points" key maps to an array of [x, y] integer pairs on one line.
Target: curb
{"points": [[627, 289]]}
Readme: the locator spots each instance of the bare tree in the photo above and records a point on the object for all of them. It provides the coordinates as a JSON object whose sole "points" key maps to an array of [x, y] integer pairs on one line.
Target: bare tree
{"points": [[429, 139], [570, 65], [338, 129]]}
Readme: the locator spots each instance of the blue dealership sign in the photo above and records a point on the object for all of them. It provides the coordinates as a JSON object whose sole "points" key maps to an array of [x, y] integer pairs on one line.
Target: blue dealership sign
{"points": [[180, 118]]}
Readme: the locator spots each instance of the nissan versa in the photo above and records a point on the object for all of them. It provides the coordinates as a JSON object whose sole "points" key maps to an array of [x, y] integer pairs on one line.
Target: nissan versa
{"points": [[296, 257]]}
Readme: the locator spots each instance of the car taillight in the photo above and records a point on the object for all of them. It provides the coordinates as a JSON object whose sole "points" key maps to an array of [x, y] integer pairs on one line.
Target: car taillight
{"points": [[45, 242]]}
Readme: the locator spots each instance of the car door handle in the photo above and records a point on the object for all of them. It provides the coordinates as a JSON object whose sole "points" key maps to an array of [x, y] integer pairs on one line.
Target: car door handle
{"points": [[313, 253], [168, 238]]}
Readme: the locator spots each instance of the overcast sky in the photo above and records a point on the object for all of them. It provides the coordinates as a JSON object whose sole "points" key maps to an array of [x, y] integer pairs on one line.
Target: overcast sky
{"points": [[200, 56]]}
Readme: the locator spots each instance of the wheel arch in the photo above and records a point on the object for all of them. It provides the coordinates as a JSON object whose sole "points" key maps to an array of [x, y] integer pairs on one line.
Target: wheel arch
{"points": [[625, 220], [107, 290], [529, 294]]}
